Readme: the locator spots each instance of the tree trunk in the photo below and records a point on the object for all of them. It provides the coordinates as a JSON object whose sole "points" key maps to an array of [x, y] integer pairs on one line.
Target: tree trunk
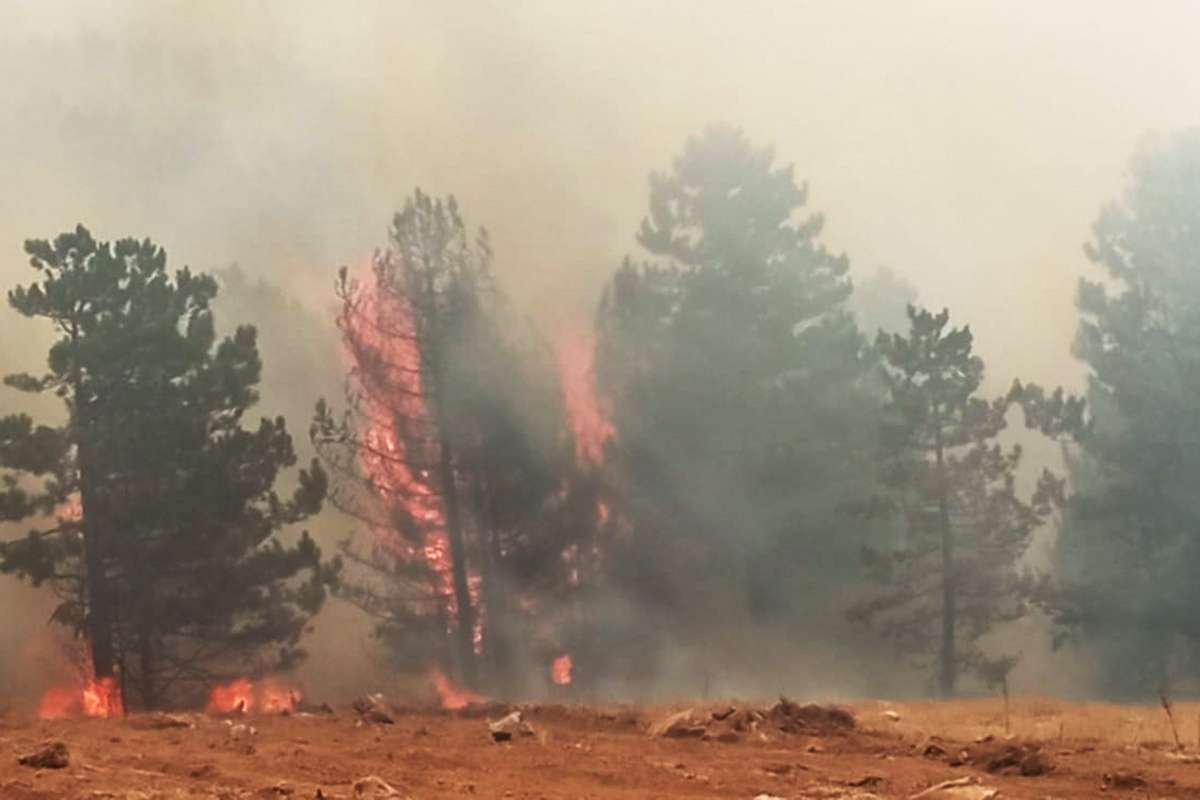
{"points": [[97, 590], [497, 633], [458, 567], [147, 683], [948, 672]]}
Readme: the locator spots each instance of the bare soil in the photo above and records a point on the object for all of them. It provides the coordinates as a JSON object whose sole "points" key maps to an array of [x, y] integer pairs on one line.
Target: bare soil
{"points": [[1085, 751]]}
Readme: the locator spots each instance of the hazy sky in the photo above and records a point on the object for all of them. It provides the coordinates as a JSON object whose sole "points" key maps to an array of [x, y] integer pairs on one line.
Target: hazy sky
{"points": [[966, 145]]}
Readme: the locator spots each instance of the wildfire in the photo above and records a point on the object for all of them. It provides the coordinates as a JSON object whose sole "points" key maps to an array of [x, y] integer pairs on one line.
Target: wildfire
{"points": [[383, 348], [240, 696], [236, 696], [59, 702], [102, 698], [560, 670], [450, 696], [590, 426], [96, 698]]}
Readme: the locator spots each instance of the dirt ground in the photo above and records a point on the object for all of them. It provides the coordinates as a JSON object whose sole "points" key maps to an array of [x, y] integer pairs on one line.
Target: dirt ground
{"points": [[578, 752]]}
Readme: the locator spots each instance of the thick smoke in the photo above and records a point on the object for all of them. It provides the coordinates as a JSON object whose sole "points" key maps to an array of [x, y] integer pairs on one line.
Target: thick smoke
{"points": [[968, 146]]}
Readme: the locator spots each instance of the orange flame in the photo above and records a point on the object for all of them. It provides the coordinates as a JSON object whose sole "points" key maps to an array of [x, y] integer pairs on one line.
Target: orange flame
{"points": [[276, 699], [234, 697], [240, 696], [96, 698], [382, 344], [102, 698], [590, 426], [560, 670], [450, 696], [58, 702]]}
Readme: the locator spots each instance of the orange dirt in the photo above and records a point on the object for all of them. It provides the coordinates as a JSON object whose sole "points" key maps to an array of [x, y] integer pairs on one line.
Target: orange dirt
{"points": [[586, 752]]}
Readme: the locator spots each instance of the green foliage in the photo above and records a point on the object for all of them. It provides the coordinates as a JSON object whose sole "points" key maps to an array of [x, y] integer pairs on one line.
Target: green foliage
{"points": [[739, 391], [172, 567], [1128, 553], [955, 574]]}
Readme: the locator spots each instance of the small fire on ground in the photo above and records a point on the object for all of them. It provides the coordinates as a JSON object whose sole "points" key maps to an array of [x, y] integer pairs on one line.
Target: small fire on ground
{"points": [[242, 696], [560, 670], [96, 698], [450, 695]]}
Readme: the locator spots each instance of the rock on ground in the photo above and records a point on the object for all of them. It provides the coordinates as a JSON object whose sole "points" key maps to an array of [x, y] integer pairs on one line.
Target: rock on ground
{"points": [[509, 727], [372, 787], [53, 755]]}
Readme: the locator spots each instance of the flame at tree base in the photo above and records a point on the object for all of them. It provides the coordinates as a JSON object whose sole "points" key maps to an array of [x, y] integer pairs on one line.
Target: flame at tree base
{"points": [[96, 698], [450, 696]]}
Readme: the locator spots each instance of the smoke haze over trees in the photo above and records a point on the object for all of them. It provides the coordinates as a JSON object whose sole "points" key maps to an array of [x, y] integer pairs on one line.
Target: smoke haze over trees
{"points": [[638, 439]]}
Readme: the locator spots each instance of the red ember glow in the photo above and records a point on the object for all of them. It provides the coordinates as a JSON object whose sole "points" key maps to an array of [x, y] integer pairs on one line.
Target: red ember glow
{"points": [[560, 670], [450, 696]]}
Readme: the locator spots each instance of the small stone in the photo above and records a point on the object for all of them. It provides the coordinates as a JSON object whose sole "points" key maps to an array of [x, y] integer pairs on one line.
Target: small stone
{"points": [[967, 788], [506, 728], [53, 755], [241, 731], [680, 725], [372, 787], [1124, 780], [372, 709]]}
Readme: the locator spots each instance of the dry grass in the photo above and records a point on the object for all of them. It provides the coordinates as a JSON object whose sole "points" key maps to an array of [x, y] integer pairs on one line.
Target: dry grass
{"points": [[1040, 719]]}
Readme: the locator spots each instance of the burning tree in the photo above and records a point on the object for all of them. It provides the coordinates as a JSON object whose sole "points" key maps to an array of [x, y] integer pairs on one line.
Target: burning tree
{"points": [[956, 572], [169, 565], [452, 451]]}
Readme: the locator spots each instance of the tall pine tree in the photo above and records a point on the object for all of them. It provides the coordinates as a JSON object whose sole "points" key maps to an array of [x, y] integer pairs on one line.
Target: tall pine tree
{"points": [[738, 388], [1128, 554], [956, 572], [173, 567]]}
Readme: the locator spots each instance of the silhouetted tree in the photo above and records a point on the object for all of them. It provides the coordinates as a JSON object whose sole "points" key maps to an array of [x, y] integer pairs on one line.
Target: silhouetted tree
{"points": [[170, 565]]}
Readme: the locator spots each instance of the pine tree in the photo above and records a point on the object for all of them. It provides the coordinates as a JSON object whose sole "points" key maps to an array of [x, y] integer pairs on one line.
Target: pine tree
{"points": [[738, 387], [955, 573], [1128, 554], [452, 450], [171, 567]]}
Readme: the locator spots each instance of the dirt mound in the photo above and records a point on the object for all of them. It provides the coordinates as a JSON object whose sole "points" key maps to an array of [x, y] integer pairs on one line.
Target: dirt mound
{"points": [[733, 723], [1005, 756], [814, 719]]}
